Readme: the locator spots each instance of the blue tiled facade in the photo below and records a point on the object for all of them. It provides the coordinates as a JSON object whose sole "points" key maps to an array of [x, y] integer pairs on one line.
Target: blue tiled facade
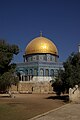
{"points": [[38, 65]]}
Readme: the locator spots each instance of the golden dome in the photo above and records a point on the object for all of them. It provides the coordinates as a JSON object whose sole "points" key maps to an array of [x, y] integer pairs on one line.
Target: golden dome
{"points": [[41, 45]]}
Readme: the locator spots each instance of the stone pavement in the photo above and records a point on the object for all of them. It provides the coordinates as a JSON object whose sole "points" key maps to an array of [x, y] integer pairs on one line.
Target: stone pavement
{"points": [[66, 112]]}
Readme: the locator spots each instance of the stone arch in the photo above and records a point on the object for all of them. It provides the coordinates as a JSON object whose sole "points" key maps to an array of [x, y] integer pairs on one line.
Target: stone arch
{"points": [[52, 72], [46, 72], [35, 72], [31, 72]]}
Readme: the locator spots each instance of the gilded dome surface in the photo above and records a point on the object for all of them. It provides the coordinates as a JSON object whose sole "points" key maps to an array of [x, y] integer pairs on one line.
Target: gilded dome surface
{"points": [[41, 45]]}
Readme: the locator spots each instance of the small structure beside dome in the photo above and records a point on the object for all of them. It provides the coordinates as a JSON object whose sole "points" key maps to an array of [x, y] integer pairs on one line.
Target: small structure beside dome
{"points": [[40, 66]]}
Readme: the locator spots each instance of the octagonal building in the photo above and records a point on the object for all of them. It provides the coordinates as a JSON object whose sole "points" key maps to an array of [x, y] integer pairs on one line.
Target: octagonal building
{"points": [[40, 61]]}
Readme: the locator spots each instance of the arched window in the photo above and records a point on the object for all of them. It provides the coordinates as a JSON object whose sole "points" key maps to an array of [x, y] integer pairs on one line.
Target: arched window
{"points": [[35, 72], [31, 72], [47, 72], [52, 72], [26, 72], [41, 72]]}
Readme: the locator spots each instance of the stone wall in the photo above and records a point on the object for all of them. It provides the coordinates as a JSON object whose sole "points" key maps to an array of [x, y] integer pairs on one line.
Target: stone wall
{"points": [[32, 87]]}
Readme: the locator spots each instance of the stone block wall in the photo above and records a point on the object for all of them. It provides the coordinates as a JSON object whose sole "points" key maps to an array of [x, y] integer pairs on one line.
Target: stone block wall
{"points": [[32, 87]]}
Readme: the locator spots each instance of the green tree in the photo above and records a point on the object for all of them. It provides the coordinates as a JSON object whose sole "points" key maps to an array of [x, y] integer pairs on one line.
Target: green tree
{"points": [[7, 68], [57, 85], [72, 70], [70, 76]]}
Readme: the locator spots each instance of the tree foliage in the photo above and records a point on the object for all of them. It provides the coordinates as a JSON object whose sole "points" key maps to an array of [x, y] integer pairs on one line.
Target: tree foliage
{"points": [[7, 68], [70, 76], [72, 70]]}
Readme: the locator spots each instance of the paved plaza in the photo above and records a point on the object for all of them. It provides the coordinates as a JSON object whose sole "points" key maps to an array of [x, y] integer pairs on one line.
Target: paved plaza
{"points": [[37, 107], [26, 106], [66, 112]]}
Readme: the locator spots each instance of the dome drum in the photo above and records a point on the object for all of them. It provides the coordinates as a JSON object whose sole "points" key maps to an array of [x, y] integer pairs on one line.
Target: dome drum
{"points": [[41, 57]]}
